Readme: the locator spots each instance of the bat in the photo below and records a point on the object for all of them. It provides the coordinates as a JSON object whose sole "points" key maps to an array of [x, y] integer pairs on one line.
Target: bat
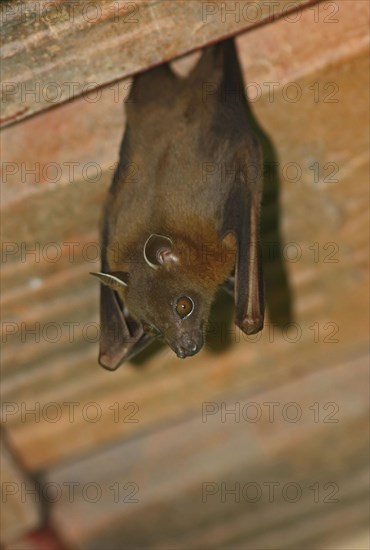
{"points": [[182, 215]]}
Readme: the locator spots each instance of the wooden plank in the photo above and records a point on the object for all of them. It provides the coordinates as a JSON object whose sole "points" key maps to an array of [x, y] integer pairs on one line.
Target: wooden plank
{"points": [[20, 502], [328, 297], [43, 539], [49, 50], [169, 487], [170, 452]]}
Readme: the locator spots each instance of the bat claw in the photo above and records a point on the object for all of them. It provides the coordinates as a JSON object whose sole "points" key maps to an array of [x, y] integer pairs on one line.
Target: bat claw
{"points": [[252, 326], [107, 362]]}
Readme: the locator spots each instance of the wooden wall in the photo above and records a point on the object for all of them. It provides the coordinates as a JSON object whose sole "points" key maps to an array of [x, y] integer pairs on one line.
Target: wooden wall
{"points": [[255, 442]]}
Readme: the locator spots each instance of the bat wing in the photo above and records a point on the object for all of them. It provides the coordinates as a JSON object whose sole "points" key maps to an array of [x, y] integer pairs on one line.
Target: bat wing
{"points": [[242, 208], [242, 219], [121, 336]]}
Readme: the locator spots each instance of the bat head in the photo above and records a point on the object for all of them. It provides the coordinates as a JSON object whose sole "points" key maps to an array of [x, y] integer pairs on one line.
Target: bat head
{"points": [[169, 291], [173, 308]]}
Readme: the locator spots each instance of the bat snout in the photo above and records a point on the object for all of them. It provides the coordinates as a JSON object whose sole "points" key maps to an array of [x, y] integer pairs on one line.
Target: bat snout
{"points": [[188, 345]]}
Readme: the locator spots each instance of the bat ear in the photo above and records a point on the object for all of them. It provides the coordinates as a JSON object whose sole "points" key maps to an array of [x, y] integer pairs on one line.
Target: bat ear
{"points": [[158, 250], [115, 280]]}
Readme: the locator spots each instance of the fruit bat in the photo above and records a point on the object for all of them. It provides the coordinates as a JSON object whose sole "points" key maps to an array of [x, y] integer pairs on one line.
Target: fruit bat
{"points": [[182, 214]]}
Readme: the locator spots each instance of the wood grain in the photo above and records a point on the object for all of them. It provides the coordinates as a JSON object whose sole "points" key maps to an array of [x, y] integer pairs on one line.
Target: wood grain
{"points": [[328, 298], [176, 473], [20, 503], [319, 358], [49, 51]]}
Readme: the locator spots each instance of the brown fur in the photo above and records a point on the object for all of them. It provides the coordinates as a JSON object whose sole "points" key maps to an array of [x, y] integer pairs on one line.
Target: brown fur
{"points": [[184, 174]]}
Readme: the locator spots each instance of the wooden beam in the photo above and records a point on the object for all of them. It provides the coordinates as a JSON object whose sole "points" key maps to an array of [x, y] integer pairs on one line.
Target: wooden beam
{"points": [[53, 52], [20, 499], [235, 477]]}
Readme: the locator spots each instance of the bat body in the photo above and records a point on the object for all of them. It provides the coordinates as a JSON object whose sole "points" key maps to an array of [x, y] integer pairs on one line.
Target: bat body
{"points": [[182, 213]]}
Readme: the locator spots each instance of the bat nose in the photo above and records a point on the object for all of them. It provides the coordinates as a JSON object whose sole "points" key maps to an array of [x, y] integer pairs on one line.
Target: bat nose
{"points": [[188, 345]]}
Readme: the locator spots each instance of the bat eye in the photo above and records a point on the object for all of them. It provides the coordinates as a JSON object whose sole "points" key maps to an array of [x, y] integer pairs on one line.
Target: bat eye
{"points": [[184, 306]]}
